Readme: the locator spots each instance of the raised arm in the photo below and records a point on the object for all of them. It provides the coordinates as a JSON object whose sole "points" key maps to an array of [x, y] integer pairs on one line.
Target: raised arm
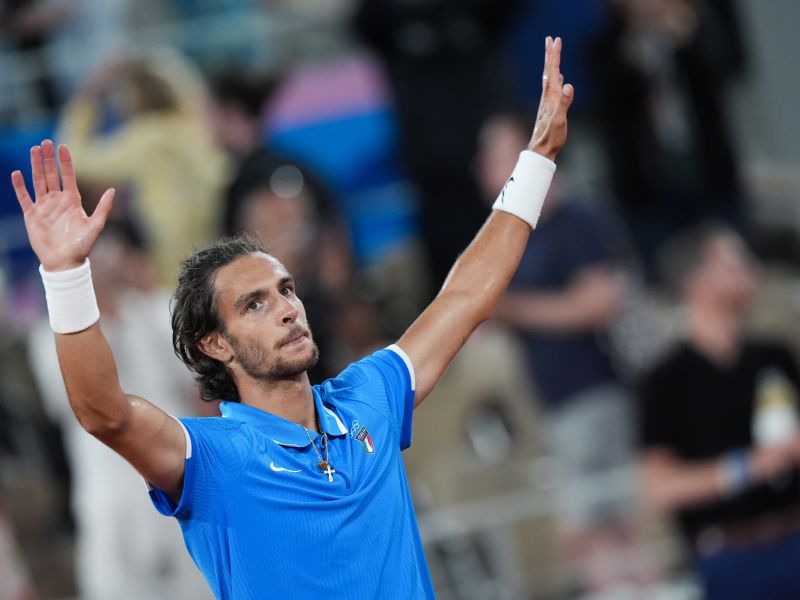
{"points": [[480, 276], [62, 236]]}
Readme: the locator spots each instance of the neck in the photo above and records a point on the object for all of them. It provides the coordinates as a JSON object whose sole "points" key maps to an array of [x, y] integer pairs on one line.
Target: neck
{"points": [[715, 332], [290, 399]]}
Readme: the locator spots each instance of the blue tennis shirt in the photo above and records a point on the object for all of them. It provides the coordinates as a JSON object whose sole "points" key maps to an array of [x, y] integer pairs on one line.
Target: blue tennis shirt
{"points": [[260, 518]]}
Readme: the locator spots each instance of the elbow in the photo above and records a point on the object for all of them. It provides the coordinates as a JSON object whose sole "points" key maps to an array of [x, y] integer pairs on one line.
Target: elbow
{"points": [[104, 424], [102, 429]]}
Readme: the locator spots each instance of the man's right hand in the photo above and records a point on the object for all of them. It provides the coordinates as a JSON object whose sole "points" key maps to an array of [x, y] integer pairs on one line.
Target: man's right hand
{"points": [[60, 232], [770, 461], [550, 131]]}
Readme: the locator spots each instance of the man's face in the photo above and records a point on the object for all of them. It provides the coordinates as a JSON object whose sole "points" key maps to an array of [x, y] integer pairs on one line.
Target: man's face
{"points": [[264, 321], [728, 273], [499, 145], [286, 225]]}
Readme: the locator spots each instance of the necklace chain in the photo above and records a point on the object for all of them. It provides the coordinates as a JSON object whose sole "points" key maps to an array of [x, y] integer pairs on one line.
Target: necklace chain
{"points": [[323, 463]]}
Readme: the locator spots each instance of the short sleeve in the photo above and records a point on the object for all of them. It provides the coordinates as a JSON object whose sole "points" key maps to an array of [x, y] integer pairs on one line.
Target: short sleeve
{"points": [[386, 381], [657, 414], [216, 453]]}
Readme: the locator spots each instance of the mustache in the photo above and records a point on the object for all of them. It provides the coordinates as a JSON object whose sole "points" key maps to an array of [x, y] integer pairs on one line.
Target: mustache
{"points": [[294, 332]]}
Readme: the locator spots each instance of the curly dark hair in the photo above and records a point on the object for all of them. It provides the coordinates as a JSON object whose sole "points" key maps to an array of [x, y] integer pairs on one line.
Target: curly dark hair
{"points": [[194, 313]]}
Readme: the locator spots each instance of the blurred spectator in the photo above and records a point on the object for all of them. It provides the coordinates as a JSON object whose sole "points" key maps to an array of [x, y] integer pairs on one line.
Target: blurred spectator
{"points": [[237, 119], [661, 69], [161, 148], [566, 293], [238, 103], [719, 430], [124, 550], [14, 583], [28, 25], [288, 213], [87, 32], [447, 73]]}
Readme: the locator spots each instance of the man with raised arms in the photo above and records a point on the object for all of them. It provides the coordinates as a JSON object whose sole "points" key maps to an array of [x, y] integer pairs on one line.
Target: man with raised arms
{"points": [[297, 490]]}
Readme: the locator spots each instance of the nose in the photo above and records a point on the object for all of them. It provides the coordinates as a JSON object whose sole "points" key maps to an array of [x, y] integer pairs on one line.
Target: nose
{"points": [[289, 314]]}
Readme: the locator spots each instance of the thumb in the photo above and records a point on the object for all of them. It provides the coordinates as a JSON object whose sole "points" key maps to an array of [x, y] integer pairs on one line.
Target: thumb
{"points": [[100, 214], [567, 95]]}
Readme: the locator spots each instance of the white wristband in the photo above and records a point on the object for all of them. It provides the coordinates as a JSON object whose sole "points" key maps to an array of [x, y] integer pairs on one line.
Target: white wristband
{"points": [[70, 298], [524, 193]]}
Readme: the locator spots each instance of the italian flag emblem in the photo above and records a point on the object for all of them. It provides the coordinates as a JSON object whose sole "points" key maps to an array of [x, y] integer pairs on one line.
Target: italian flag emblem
{"points": [[366, 440]]}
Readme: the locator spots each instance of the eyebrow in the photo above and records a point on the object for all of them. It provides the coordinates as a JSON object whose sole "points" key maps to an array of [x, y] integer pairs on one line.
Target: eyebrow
{"points": [[245, 299]]}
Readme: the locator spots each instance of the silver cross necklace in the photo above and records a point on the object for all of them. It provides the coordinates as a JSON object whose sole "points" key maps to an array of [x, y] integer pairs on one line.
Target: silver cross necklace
{"points": [[323, 462]]}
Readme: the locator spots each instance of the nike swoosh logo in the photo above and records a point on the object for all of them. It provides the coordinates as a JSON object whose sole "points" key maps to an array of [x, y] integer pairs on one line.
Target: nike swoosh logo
{"points": [[505, 187], [279, 469]]}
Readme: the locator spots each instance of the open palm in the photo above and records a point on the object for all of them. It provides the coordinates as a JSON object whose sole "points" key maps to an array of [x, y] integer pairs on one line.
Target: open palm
{"points": [[60, 232]]}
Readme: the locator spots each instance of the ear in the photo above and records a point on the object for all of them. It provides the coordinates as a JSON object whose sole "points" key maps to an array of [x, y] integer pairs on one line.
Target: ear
{"points": [[215, 346]]}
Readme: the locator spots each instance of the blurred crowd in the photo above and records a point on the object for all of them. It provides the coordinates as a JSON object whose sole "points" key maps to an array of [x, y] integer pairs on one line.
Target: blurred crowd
{"points": [[625, 427]]}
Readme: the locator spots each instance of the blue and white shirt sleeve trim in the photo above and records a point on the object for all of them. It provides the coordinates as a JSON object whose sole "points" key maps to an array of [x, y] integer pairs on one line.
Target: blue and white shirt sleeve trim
{"points": [[161, 501], [188, 438], [407, 361], [188, 448], [408, 409]]}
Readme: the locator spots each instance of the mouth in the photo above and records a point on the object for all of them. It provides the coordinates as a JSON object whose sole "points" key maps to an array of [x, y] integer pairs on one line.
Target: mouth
{"points": [[296, 340]]}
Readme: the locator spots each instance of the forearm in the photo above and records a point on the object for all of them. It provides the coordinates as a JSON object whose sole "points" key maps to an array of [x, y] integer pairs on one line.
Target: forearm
{"points": [[90, 377], [591, 301], [552, 312], [671, 483], [679, 486]]}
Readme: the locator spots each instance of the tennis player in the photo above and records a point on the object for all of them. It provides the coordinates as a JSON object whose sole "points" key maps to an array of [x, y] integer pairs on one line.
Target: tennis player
{"points": [[296, 491]]}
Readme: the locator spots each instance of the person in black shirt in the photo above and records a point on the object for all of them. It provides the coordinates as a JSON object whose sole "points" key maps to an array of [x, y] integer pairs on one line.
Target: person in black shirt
{"points": [[719, 428]]}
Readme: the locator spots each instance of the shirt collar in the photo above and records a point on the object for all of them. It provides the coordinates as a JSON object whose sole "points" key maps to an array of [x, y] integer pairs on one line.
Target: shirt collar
{"points": [[283, 432]]}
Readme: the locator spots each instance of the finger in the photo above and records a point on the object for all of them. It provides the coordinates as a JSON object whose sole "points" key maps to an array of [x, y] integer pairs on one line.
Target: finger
{"points": [[37, 173], [545, 68], [24, 199], [100, 214], [567, 95], [50, 166], [67, 169], [555, 61]]}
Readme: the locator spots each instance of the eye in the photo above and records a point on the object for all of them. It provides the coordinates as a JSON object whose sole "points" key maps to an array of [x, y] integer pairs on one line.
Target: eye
{"points": [[253, 305], [287, 290]]}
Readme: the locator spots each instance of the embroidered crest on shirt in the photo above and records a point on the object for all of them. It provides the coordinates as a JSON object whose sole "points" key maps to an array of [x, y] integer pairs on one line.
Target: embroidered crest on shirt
{"points": [[364, 437]]}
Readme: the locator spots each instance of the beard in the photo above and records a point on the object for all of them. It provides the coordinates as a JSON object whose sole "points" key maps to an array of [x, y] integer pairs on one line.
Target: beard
{"points": [[256, 362]]}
